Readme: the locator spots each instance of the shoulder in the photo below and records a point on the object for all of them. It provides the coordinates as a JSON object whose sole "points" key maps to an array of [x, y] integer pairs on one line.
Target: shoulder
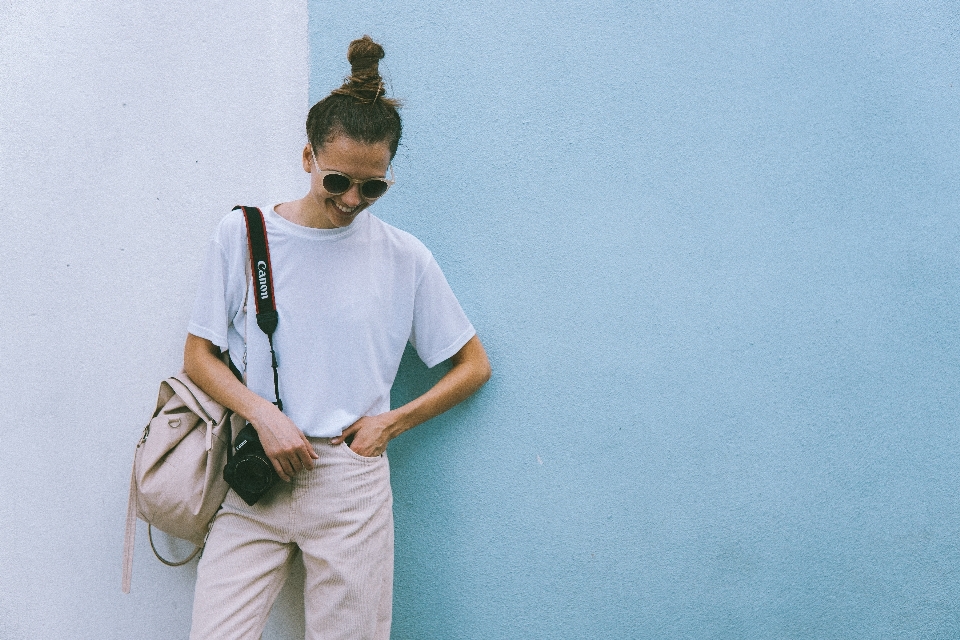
{"points": [[232, 227], [398, 241]]}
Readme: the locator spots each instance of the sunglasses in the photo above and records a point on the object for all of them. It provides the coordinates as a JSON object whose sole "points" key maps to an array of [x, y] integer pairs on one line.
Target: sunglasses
{"points": [[336, 183]]}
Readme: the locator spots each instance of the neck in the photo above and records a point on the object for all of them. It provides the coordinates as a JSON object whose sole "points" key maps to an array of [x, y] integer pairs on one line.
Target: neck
{"points": [[304, 213]]}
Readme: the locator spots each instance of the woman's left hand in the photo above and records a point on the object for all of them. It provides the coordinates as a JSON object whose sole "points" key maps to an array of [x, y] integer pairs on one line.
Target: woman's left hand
{"points": [[370, 435], [470, 370]]}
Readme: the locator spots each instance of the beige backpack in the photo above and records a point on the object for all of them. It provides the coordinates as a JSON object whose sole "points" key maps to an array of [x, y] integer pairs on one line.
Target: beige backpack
{"points": [[177, 484]]}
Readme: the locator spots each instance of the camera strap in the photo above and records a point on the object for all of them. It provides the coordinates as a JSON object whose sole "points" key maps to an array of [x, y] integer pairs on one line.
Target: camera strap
{"points": [[267, 316]]}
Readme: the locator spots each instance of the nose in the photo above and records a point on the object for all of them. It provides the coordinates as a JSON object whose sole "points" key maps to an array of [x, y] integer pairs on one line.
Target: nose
{"points": [[352, 197]]}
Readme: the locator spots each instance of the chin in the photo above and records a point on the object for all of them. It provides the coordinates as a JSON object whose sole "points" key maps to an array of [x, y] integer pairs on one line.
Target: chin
{"points": [[342, 219]]}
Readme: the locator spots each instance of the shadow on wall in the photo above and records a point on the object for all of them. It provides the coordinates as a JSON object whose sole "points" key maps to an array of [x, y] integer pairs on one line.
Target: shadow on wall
{"points": [[413, 380]]}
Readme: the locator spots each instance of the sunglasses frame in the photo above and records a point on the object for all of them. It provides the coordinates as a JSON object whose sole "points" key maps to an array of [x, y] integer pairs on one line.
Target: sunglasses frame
{"points": [[323, 174]]}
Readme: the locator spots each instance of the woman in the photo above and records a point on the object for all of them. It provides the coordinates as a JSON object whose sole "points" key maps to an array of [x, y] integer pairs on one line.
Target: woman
{"points": [[351, 291]]}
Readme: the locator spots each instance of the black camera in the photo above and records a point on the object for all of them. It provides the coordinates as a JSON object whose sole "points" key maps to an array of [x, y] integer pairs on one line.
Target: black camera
{"points": [[249, 471]]}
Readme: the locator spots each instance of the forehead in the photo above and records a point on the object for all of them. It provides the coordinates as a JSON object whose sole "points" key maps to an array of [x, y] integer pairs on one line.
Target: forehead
{"points": [[355, 158]]}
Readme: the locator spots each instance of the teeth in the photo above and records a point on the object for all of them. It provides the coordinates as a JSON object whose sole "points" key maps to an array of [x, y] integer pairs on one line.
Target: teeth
{"points": [[344, 209]]}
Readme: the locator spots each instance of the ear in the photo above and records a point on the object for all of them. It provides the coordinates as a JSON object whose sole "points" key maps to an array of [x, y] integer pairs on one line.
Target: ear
{"points": [[308, 159]]}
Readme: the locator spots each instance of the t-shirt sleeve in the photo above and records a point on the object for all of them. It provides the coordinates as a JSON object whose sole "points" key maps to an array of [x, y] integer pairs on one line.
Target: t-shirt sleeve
{"points": [[440, 327], [219, 295]]}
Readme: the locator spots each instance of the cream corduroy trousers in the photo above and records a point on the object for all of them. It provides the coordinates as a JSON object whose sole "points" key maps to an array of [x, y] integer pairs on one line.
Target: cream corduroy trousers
{"points": [[340, 516]]}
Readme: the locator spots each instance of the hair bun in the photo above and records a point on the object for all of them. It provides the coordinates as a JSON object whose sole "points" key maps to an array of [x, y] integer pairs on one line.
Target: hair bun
{"points": [[364, 83], [364, 55]]}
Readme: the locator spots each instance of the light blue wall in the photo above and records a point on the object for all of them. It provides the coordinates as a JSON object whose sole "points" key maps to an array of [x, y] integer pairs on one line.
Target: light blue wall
{"points": [[712, 249]]}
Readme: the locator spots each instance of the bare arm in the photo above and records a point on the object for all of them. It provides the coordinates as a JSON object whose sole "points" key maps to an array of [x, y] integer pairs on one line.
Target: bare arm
{"points": [[284, 443], [470, 370]]}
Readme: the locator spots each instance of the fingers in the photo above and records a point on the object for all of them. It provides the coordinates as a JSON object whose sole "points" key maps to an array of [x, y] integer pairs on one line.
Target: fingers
{"points": [[293, 460], [309, 447], [278, 467], [367, 449], [285, 444], [303, 456], [305, 460], [349, 431], [287, 466]]}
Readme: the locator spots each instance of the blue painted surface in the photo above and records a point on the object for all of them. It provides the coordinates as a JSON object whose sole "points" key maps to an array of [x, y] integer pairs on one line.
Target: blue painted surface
{"points": [[713, 253]]}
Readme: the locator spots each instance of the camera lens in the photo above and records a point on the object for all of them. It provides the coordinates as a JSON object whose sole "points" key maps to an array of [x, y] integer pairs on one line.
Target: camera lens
{"points": [[253, 474]]}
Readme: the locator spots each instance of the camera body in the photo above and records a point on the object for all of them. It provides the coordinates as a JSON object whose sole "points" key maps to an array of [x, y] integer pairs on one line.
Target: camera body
{"points": [[249, 472]]}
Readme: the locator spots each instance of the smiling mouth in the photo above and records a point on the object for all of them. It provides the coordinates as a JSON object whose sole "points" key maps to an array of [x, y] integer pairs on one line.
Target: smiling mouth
{"points": [[344, 209]]}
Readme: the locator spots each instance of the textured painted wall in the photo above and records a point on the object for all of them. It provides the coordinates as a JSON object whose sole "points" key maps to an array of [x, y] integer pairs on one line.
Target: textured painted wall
{"points": [[713, 251], [126, 131]]}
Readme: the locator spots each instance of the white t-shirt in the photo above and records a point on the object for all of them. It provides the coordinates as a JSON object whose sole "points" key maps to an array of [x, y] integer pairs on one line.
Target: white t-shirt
{"points": [[348, 300]]}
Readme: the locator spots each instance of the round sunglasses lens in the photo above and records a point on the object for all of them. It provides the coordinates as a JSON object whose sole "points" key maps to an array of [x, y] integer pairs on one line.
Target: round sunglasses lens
{"points": [[335, 183], [372, 189]]}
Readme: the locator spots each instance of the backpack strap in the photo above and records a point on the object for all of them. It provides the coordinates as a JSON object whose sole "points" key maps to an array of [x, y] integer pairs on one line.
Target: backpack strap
{"points": [[260, 271], [130, 531]]}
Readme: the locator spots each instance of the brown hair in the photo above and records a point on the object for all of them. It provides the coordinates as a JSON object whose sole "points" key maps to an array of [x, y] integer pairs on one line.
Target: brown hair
{"points": [[358, 109]]}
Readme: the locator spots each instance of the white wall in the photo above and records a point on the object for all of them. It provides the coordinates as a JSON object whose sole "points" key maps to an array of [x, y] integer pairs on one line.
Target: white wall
{"points": [[127, 130]]}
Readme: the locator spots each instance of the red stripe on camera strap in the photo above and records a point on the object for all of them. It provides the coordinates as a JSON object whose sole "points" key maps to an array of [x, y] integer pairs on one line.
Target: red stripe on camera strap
{"points": [[262, 275]]}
